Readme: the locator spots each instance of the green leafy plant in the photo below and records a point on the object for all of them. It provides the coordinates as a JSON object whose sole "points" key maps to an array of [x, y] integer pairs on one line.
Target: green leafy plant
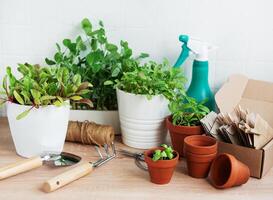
{"points": [[186, 111], [41, 86], [97, 61], [153, 79], [165, 154]]}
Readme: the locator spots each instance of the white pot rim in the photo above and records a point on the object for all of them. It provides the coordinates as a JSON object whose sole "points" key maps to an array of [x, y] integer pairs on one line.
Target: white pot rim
{"points": [[95, 110], [42, 106], [140, 95]]}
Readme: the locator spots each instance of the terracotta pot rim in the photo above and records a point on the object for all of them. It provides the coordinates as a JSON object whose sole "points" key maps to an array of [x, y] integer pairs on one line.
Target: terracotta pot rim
{"points": [[190, 139], [160, 162], [180, 126], [201, 155], [197, 158]]}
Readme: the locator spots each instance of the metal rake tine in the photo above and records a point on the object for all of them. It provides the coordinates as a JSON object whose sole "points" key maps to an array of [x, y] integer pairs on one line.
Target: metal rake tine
{"points": [[114, 148], [98, 151], [106, 150]]}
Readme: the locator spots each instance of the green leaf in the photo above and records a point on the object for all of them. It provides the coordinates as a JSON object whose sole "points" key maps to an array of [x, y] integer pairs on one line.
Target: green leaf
{"points": [[96, 68], [165, 146], [93, 57], [94, 44], [143, 55], [76, 98], [57, 103], [87, 26], [49, 62], [77, 79], [79, 44], [156, 155], [111, 47], [58, 47], [66, 42], [163, 154], [58, 57], [23, 114], [101, 23], [5, 85], [108, 82], [115, 72], [36, 96], [83, 92], [18, 97], [47, 97], [2, 102]]}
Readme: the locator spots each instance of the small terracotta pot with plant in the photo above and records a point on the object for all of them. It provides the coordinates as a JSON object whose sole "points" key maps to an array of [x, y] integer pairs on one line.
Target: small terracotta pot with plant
{"points": [[184, 121], [161, 162]]}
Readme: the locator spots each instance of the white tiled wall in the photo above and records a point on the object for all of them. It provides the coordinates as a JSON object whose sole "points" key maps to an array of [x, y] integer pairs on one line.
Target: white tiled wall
{"points": [[242, 29]]}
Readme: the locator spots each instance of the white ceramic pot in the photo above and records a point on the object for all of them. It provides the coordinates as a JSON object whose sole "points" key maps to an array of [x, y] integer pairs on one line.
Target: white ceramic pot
{"points": [[100, 117], [42, 130], [142, 120]]}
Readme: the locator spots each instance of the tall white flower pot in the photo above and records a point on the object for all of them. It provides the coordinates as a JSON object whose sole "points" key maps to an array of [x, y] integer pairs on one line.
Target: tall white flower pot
{"points": [[142, 120], [98, 116], [42, 130]]}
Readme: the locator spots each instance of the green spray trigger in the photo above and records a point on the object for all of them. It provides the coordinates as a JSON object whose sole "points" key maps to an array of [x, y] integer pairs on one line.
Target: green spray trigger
{"points": [[185, 51]]}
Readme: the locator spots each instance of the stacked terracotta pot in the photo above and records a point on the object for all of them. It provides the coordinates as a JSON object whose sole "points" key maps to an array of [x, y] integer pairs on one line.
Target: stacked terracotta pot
{"points": [[199, 151]]}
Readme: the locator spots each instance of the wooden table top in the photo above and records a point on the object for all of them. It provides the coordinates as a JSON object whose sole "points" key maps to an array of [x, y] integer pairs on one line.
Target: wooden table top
{"points": [[118, 179]]}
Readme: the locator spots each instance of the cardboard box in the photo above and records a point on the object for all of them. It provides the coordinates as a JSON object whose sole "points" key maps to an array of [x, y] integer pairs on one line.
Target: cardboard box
{"points": [[257, 96]]}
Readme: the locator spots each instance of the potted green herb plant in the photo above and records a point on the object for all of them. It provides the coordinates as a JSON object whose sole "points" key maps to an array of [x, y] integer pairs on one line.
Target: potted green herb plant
{"points": [[161, 163], [184, 120], [38, 106], [143, 97], [99, 62]]}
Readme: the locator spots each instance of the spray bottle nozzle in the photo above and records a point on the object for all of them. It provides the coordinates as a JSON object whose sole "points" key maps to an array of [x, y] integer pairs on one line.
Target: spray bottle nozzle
{"points": [[194, 46], [184, 38]]}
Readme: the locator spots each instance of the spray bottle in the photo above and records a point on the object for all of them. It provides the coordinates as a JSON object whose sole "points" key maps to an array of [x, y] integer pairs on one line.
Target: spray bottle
{"points": [[199, 86]]}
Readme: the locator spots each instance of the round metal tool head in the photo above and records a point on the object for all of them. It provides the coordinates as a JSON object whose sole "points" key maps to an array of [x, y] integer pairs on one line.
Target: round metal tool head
{"points": [[60, 160]]}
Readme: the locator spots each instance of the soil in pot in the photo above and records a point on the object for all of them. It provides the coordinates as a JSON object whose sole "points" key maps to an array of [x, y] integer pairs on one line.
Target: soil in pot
{"points": [[200, 144], [160, 171], [179, 133], [226, 171], [199, 165]]}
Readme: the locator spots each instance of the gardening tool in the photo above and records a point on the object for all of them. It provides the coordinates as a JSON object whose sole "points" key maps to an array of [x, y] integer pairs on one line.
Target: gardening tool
{"points": [[80, 170], [51, 159], [139, 158], [199, 87]]}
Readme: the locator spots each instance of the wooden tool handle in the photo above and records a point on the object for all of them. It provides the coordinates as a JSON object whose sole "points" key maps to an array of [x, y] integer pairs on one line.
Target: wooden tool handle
{"points": [[67, 177], [20, 167]]}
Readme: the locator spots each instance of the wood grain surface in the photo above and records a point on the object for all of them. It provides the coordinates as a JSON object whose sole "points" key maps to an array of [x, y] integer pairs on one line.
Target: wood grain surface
{"points": [[118, 179]]}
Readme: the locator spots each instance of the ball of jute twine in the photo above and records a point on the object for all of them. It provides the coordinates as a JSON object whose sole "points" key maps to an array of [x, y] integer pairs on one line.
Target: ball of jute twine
{"points": [[90, 133]]}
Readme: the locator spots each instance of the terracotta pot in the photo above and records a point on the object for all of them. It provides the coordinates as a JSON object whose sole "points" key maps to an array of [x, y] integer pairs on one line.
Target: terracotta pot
{"points": [[199, 165], [178, 134], [160, 171], [200, 144], [226, 171]]}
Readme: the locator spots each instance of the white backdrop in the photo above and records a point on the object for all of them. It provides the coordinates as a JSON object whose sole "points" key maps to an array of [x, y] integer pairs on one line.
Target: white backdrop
{"points": [[242, 29]]}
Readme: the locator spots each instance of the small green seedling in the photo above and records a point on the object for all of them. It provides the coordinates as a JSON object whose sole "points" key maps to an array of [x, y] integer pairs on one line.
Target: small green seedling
{"points": [[165, 154], [186, 111]]}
